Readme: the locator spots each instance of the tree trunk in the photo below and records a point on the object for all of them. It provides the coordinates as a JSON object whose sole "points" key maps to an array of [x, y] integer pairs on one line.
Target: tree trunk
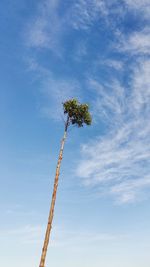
{"points": [[51, 212]]}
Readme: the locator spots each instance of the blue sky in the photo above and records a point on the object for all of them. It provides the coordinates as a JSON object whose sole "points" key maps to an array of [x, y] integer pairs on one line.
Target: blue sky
{"points": [[97, 51]]}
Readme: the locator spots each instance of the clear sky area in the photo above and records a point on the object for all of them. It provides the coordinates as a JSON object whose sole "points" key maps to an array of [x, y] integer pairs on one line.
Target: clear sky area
{"points": [[99, 52]]}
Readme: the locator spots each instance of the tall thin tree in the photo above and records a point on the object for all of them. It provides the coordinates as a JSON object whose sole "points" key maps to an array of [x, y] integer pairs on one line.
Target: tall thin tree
{"points": [[77, 114]]}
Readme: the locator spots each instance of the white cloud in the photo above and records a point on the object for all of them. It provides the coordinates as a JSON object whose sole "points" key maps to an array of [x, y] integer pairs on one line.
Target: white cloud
{"points": [[109, 98], [45, 30], [120, 161], [85, 12], [127, 191], [137, 43], [141, 88]]}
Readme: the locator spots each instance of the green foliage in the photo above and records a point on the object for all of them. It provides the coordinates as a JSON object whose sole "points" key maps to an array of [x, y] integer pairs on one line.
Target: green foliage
{"points": [[78, 113]]}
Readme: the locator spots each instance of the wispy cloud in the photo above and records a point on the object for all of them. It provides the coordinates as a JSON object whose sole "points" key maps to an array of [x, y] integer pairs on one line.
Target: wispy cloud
{"points": [[119, 162], [109, 99], [143, 7], [24, 235], [112, 63], [34, 234], [30, 234], [137, 43], [85, 12], [46, 27]]}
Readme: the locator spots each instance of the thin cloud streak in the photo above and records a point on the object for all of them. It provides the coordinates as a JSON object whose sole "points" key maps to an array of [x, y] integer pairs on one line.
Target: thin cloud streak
{"points": [[33, 234], [24, 235]]}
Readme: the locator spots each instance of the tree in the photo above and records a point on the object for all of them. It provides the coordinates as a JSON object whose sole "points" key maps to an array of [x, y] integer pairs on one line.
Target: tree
{"points": [[77, 114]]}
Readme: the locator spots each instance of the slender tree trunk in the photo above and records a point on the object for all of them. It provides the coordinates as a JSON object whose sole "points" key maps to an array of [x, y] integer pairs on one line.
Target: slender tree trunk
{"points": [[51, 212]]}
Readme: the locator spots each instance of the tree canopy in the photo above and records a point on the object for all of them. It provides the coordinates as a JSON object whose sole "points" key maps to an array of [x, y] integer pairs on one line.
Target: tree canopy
{"points": [[78, 114]]}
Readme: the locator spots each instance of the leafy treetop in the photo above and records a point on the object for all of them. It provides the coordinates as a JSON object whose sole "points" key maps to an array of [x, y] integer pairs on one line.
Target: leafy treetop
{"points": [[77, 113]]}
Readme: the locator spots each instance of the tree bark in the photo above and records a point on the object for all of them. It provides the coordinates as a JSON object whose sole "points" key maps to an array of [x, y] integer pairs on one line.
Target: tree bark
{"points": [[51, 212]]}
